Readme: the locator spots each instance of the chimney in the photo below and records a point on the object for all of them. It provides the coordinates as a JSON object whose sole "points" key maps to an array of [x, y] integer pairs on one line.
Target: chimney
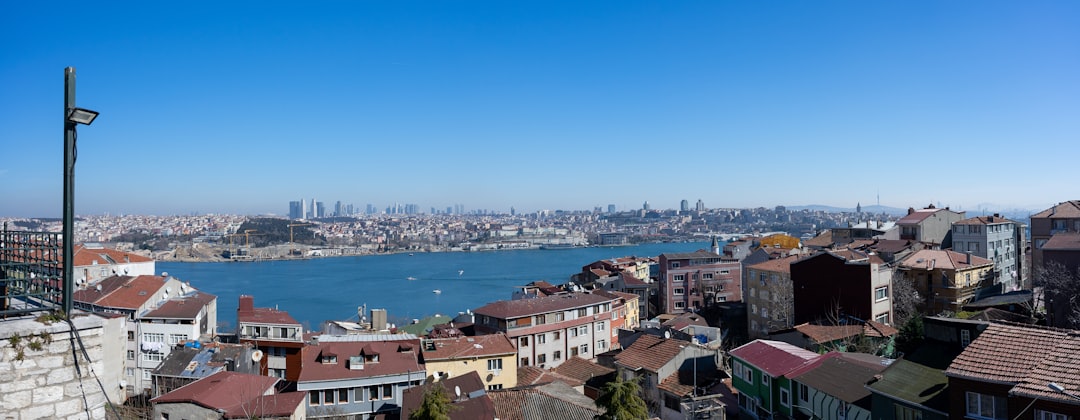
{"points": [[968, 259], [910, 210], [247, 305]]}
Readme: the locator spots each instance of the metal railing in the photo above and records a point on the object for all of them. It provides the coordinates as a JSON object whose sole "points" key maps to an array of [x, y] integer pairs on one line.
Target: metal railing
{"points": [[31, 273]]}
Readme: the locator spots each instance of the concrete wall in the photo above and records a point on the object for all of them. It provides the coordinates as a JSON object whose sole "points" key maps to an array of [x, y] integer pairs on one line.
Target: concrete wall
{"points": [[43, 383]]}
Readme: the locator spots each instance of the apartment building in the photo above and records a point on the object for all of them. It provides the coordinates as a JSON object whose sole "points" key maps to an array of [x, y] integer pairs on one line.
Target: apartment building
{"points": [[692, 280], [947, 279], [997, 239], [550, 329], [929, 225], [770, 296], [840, 284], [275, 333], [491, 356]]}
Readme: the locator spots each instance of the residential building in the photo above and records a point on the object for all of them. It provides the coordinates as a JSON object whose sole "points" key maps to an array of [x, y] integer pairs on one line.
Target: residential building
{"points": [[929, 225], [587, 377], [849, 337], [1061, 218], [550, 329], [666, 369], [690, 281], [770, 296], [833, 286], [491, 356], [273, 332], [997, 239], [832, 386], [230, 395], [197, 360], [549, 401], [947, 279], [93, 263], [1006, 373], [759, 370], [161, 311], [626, 315], [468, 399], [354, 375]]}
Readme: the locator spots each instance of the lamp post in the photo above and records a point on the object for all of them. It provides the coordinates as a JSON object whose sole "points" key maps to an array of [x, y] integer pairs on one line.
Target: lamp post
{"points": [[72, 117]]}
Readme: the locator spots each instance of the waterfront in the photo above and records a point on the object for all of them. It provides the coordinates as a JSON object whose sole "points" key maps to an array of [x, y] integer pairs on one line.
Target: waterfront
{"points": [[316, 290]]}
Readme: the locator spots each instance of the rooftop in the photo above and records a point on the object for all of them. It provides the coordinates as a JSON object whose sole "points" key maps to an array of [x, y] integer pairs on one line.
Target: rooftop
{"points": [[776, 358], [467, 347], [650, 353], [506, 309]]}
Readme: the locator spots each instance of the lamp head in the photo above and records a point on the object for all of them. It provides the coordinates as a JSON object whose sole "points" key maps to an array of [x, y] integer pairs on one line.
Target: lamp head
{"points": [[81, 116]]}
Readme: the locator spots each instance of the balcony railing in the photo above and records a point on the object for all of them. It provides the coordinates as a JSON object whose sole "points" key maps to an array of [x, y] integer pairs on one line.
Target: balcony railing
{"points": [[31, 274]]}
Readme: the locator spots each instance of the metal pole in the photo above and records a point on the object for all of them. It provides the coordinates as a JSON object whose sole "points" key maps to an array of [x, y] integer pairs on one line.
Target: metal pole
{"points": [[69, 190]]}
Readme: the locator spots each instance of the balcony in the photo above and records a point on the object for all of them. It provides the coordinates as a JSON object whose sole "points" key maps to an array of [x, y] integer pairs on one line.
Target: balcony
{"points": [[31, 275]]}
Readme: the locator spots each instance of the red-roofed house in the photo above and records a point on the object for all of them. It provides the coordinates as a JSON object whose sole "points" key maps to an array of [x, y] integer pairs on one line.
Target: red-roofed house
{"points": [[230, 395], [275, 333], [947, 279], [658, 362], [930, 225], [1007, 370], [349, 376], [94, 263], [162, 312], [549, 329], [760, 370], [492, 356]]}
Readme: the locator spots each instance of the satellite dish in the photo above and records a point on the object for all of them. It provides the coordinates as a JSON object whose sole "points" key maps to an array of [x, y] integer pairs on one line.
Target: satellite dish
{"points": [[457, 391], [667, 334], [164, 274], [256, 355], [97, 287]]}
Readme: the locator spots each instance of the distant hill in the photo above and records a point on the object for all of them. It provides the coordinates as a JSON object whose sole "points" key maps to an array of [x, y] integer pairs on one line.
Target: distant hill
{"points": [[866, 209]]}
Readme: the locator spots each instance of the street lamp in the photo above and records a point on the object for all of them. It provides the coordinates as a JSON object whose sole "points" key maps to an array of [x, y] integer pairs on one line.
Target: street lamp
{"points": [[73, 116], [1061, 390]]}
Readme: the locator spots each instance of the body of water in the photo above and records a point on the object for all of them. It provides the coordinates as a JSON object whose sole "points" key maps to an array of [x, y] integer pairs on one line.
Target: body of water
{"points": [[316, 290]]}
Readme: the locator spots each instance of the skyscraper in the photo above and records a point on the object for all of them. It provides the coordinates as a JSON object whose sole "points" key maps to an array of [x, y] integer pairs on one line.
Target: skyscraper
{"points": [[700, 205], [296, 209], [684, 205], [610, 208]]}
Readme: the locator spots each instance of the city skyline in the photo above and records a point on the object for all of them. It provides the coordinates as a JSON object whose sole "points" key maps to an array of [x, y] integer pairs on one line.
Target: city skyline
{"points": [[226, 108]]}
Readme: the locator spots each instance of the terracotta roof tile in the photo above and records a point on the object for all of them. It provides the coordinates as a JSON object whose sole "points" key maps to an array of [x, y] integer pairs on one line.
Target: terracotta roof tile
{"points": [[468, 347], [943, 259], [505, 309], [581, 369], [391, 360], [554, 401], [1058, 367], [182, 307], [650, 352], [1005, 353], [124, 292], [1066, 241], [220, 390], [1065, 210], [781, 265], [984, 220], [84, 256], [266, 316]]}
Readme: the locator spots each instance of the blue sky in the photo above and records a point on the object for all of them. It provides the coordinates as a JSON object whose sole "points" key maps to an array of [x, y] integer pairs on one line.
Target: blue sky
{"points": [[243, 106]]}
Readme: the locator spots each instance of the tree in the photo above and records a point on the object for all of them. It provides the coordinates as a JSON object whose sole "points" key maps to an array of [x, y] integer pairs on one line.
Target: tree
{"points": [[1061, 290], [436, 405], [621, 400], [911, 335], [905, 299], [780, 303]]}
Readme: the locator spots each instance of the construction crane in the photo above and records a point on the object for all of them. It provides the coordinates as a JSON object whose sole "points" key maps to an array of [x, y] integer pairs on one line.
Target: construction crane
{"points": [[292, 249], [248, 233]]}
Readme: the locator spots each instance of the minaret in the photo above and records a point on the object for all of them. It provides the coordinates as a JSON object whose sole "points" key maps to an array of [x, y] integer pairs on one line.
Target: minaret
{"points": [[715, 246]]}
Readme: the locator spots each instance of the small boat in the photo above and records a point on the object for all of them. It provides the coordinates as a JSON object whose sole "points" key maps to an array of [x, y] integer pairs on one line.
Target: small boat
{"points": [[437, 291], [410, 254], [410, 278], [460, 272]]}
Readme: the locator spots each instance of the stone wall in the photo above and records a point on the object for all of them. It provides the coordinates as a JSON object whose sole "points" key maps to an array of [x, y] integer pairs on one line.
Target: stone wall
{"points": [[38, 377]]}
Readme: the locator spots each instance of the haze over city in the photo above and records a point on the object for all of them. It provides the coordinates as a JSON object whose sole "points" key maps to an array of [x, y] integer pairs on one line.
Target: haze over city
{"points": [[243, 107]]}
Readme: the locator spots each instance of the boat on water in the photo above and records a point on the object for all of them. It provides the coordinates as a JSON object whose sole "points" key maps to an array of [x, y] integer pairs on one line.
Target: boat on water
{"points": [[557, 246], [410, 278], [437, 291], [460, 272]]}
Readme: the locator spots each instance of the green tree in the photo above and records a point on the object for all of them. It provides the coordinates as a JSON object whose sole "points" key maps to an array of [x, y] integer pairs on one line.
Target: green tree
{"points": [[911, 335], [622, 400], [436, 405]]}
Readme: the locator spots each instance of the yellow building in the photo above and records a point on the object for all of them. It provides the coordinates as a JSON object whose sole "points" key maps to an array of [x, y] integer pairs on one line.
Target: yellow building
{"points": [[491, 356], [946, 279]]}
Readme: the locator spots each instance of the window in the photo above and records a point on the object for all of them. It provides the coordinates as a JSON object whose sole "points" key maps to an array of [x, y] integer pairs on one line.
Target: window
{"points": [[965, 338], [706, 276], [129, 371], [982, 406], [541, 338], [559, 317], [765, 380], [748, 375], [573, 332], [582, 330], [907, 413], [737, 369], [153, 337], [584, 348], [881, 293], [672, 403], [679, 277], [753, 292], [328, 396], [541, 358], [680, 305], [582, 312], [541, 319], [785, 397], [388, 391], [131, 354], [373, 393], [722, 272], [342, 396], [494, 364], [601, 345], [524, 361], [131, 335], [314, 397], [146, 375], [555, 335], [675, 264], [680, 291], [494, 387], [600, 326], [557, 355], [883, 318], [153, 357], [1049, 415], [175, 339], [524, 342], [804, 393], [573, 351], [764, 312], [762, 278]]}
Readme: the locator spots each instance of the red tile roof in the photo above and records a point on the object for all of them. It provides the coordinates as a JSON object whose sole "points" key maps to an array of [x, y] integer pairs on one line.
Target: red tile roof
{"points": [[182, 307], [224, 391], [917, 216], [468, 347], [1005, 353], [477, 407], [268, 406], [650, 353], [506, 309], [1060, 368], [774, 357], [124, 292], [1064, 210], [581, 369], [780, 265], [266, 316], [984, 220], [391, 360], [943, 259], [1065, 241], [84, 256]]}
